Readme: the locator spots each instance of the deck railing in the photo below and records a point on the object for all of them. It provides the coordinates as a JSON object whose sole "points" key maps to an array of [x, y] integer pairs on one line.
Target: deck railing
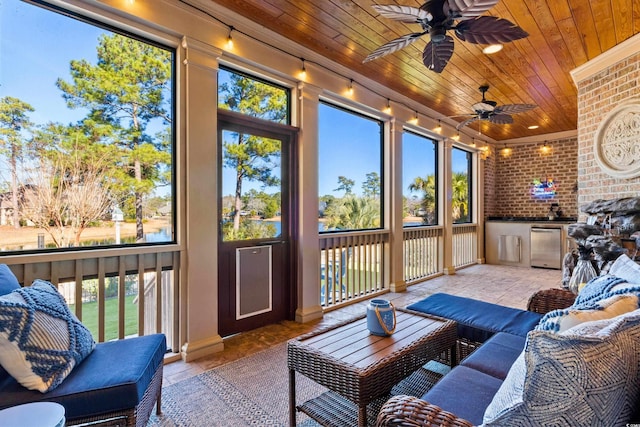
{"points": [[465, 244], [351, 266], [103, 288], [421, 252]]}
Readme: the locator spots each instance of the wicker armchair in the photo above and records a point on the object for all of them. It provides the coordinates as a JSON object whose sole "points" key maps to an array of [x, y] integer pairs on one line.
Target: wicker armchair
{"points": [[547, 300], [409, 411]]}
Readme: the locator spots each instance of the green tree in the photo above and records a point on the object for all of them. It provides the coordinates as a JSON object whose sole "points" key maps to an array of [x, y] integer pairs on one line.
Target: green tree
{"points": [[427, 186], [125, 91], [249, 230], [270, 204], [252, 201], [460, 197], [325, 203], [371, 185], [13, 121], [353, 213], [252, 158], [345, 184]]}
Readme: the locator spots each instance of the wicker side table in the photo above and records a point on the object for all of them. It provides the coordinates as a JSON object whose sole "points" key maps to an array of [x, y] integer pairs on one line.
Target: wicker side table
{"points": [[360, 367]]}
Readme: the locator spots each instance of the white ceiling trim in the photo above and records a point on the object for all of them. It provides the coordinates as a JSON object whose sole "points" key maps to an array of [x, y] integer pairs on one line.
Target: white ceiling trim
{"points": [[541, 138], [606, 59]]}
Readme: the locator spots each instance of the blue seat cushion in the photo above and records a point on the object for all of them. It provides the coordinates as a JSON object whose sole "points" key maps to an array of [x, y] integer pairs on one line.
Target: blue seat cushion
{"points": [[112, 378], [8, 281], [496, 355], [464, 392], [478, 320]]}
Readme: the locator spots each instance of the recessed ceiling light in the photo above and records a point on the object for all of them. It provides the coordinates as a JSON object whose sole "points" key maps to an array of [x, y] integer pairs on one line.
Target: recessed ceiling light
{"points": [[492, 48], [533, 127]]}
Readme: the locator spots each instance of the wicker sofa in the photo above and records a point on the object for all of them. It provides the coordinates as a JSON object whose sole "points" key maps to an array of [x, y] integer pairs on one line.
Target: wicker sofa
{"points": [[491, 357], [117, 384]]}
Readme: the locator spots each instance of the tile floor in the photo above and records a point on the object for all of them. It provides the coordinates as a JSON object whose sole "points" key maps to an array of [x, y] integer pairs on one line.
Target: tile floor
{"points": [[510, 286]]}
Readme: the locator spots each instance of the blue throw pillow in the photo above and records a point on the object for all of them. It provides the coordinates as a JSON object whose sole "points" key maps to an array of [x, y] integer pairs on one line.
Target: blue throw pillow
{"points": [[8, 281], [599, 288], [40, 339]]}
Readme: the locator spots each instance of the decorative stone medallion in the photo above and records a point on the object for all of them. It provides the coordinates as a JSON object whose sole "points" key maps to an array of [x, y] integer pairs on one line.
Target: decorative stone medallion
{"points": [[617, 141]]}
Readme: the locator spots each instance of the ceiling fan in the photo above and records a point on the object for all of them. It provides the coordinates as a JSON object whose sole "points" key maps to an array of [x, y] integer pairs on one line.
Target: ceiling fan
{"points": [[492, 112], [437, 17]]}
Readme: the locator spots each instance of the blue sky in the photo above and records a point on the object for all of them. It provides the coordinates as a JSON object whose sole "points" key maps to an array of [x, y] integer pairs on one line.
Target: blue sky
{"points": [[349, 146], [36, 51]]}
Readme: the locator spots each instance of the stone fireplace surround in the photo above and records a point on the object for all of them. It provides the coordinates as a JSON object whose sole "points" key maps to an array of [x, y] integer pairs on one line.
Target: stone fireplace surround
{"points": [[612, 228]]}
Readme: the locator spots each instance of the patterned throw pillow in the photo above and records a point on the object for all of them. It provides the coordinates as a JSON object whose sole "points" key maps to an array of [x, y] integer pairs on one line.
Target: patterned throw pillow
{"points": [[8, 281], [626, 268], [587, 375], [40, 339], [599, 288]]}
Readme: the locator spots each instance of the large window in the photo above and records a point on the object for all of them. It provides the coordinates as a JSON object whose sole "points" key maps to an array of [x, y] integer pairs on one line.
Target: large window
{"points": [[349, 170], [419, 180], [86, 133], [461, 185]]}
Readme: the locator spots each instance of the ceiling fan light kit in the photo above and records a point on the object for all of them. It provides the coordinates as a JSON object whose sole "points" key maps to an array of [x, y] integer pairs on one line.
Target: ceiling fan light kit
{"points": [[437, 17], [492, 48]]}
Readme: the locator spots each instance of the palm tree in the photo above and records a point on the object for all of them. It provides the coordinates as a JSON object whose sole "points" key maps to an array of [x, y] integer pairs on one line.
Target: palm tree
{"points": [[353, 213], [460, 197], [428, 187]]}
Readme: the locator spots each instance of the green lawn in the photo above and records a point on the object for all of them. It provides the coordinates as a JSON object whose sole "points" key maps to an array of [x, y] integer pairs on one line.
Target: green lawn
{"points": [[90, 317]]}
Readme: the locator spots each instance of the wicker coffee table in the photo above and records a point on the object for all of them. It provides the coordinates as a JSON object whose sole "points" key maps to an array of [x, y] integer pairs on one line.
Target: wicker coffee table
{"points": [[359, 368]]}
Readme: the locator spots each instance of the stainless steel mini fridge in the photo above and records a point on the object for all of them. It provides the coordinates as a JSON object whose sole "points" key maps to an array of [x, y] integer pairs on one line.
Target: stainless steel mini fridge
{"points": [[546, 247]]}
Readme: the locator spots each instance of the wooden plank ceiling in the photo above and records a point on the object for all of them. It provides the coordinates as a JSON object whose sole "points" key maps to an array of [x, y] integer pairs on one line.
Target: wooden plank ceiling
{"points": [[563, 34]]}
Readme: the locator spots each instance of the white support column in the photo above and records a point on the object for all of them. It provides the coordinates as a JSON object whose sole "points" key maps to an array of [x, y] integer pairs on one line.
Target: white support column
{"points": [[446, 195], [308, 256], [393, 187], [198, 173]]}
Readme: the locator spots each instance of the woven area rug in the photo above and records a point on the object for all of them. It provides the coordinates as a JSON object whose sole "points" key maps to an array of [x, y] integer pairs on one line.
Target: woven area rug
{"points": [[252, 391]]}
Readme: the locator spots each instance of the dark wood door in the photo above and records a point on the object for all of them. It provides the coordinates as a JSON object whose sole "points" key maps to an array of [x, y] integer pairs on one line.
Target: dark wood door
{"points": [[256, 269]]}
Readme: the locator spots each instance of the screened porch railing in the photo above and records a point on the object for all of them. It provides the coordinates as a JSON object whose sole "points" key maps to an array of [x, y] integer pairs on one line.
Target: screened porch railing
{"points": [[103, 288], [351, 266], [465, 244], [421, 253]]}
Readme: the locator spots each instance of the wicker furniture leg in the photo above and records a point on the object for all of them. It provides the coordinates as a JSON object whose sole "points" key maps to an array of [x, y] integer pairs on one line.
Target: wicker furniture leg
{"points": [[362, 415], [292, 398]]}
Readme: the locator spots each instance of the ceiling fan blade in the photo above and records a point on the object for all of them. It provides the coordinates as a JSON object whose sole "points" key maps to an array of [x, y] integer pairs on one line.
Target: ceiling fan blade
{"points": [[514, 108], [406, 14], [501, 119], [489, 30], [466, 122], [436, 55], [467, 9], [462, 115], [393, 45]]}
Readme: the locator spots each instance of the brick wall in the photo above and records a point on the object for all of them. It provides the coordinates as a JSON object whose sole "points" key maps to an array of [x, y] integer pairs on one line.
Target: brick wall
{"points": [[597, 96], [509, 178], [490, 183]]}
